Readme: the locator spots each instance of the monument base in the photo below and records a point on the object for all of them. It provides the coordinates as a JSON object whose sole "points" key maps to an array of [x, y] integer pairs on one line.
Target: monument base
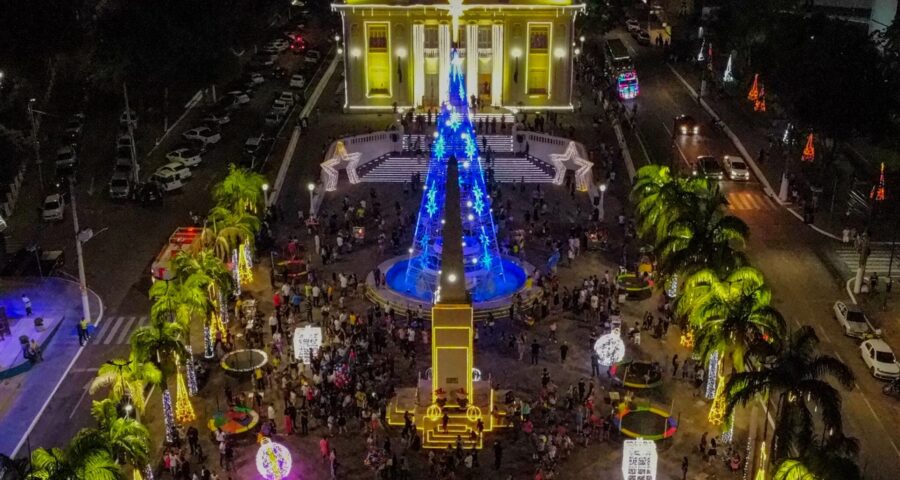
{"points": [[486, 404]]}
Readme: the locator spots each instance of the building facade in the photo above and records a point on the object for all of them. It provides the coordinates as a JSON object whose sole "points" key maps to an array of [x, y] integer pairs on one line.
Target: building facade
{"points": [[515, 53]]}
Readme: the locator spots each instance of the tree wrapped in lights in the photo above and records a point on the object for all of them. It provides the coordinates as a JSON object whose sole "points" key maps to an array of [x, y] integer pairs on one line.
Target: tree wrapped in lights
{"points": [[717, 409], [809, 151], [712, 375], [455, 137], [760, 104], [878, 191], [728, 76]]}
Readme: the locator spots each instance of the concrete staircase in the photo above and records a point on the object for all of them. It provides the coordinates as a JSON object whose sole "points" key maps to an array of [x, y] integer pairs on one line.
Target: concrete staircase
{"points": [[498, 143], [507, 168], [437, 438]]}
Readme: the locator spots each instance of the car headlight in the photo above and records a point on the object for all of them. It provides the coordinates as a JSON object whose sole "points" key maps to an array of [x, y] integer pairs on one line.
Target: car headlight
{"points": [[684, 130], [696, 129]]}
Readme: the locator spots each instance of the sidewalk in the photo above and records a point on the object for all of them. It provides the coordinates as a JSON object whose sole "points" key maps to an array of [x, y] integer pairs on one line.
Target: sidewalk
{"points": [[754, 135], [25, 397]]}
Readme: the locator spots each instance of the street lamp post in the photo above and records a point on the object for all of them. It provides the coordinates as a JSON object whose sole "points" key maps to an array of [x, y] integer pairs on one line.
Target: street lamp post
{"points": [[602, 198], [312, 192], [34, 141], [265, 189], [80, 238]]}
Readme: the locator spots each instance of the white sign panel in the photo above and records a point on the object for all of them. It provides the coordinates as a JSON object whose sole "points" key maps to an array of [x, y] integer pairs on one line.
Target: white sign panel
{"points": [[639, 460], [307, 341]]}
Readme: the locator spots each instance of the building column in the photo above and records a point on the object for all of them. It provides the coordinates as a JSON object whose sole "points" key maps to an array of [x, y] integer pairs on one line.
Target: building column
{"points": [[472, 59], [418, 77], [444, 62], [497, 56]]}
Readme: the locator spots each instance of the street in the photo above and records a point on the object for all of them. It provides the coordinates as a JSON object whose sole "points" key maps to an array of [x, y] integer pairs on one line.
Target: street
{"points": [[792, 256]]}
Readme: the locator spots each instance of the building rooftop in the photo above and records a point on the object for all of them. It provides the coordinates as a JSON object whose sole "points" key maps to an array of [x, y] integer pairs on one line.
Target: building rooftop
{"points": [[471, 3]]}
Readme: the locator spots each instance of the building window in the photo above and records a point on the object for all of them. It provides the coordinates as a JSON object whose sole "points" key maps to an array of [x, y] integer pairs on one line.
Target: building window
{"points": [[431, 37], [378, 60], [538, 77], [484, 37]]}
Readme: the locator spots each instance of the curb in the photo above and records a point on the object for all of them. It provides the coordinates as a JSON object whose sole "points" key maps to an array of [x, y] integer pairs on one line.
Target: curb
{"points": [[626, 153]]}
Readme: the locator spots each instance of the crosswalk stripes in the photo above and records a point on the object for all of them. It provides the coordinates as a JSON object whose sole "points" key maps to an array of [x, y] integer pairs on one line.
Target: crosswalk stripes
{"points": [[749, 201], [117, 330], [879, 260]]}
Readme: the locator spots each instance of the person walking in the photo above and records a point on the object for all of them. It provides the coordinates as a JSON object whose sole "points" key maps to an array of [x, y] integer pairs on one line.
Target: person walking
{"points": [[324, 449], [595, 364], [674, 365], [684, 468], [563, 352], [27, 302]]}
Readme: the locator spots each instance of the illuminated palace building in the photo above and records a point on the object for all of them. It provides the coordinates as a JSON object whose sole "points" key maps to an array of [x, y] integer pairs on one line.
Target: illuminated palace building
{"points": [[515, 53]]}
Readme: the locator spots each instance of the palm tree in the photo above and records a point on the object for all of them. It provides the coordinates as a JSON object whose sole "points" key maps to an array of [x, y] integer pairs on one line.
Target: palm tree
{"points": [[660, 198], [82, 459], [831, 459], [793, 469], [226, 230], [204, 262], [127, 439], [795, 374], [732, 315], [703, 237], [241, 191], [161, 342], [178, 300], [126, 378]]}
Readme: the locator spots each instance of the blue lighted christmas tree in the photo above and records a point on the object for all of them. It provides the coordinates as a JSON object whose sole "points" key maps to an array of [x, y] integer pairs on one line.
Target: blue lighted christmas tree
{"points": [[455, 137]]}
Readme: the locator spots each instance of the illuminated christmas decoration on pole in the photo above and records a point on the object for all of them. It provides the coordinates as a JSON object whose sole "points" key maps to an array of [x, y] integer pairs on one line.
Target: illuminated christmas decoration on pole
{"points": [[760, 104], [208, 343], [786, 136], [753, 94], [687, 339], [610, 348], [717, 409], [168, 416], [728, 433], [273, 460], [235, 272], [191, 372], [245, 264], [728, 76], [878, 191], [184, 411], [148, 472], [712, 375], [809, 151], [639, 459], [672, 287], [701, 55], [763, 462]]}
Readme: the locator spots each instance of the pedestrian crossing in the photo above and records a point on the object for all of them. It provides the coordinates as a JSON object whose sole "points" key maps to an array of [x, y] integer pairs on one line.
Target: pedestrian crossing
{"points": [[117, 330], [749, 200], [879, 260]]}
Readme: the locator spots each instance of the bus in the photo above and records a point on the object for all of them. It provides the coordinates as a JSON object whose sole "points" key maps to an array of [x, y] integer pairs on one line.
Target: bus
{"points": [[621, 70]]}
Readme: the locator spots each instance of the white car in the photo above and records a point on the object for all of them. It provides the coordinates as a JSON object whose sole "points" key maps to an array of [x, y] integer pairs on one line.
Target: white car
{"points": [[297, 81], [203, 134], [879, 359], [66, 156], [257, 78], [632, 25], [190, 157], [312, 56], [280, 107], [273, 118], [287, 97], [167, 180], [242, 98], [736, 168], [54, 208], [854, 321], [176, 167]]}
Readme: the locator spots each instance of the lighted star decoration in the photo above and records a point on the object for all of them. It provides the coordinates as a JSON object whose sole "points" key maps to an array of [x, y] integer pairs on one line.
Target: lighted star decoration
{"points": [[431, 206], [573, 158], [340, 157], [456, 9], [478, 204], [455, 120], [470, 147]]}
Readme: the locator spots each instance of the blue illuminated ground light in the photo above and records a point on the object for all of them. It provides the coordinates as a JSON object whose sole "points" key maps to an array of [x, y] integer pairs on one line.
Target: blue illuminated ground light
{"points": [[486, 271]]}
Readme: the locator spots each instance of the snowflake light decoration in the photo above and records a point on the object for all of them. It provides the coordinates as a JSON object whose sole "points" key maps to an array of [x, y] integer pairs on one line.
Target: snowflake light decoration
{"points": [[639, 460], [273, 460], [610, 348]]}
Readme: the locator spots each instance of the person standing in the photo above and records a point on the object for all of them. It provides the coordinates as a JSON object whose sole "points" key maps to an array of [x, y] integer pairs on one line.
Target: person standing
{"points": [[27, 302], [684, 468], [703, 443], [595, 364], [324, 449], [83, 336], [674, 365], [535, 352], [563, 352]]}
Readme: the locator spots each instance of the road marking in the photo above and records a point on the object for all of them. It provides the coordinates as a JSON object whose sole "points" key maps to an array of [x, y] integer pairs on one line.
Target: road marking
{"points": [[85, 390], [637, 133], [825, 334], [125, 331], [838, 355], [107, 336], [56, 387]]}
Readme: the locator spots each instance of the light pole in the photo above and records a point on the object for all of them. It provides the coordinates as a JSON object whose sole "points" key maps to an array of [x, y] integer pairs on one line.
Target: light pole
{"points": [[265, 189], [516, 53], [312, 191], [80, 238], [602, 198], [34, 141]]}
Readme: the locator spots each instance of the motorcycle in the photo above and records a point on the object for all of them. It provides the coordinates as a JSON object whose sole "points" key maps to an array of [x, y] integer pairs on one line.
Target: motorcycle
{"points": [[892, 389]]}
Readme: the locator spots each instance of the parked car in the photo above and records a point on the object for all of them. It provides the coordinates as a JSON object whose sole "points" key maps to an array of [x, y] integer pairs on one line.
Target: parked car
{"points": [[854, 321], [124, 140], [736, 168], [124, 116], [643, 38], [217, 118], [203, 134], [257, 78], [274, 118], [278, 73], [707, 166], [123, 165], [149, 193], [178, 168], [879, 359], [297, 81], [280, 107], [242, 97], [66, 156], [312, 56], [686, 125], [190, 157], [288, 97], [74, 127], [120, 186], [54, 207], [632, 25], [167, 180]]}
